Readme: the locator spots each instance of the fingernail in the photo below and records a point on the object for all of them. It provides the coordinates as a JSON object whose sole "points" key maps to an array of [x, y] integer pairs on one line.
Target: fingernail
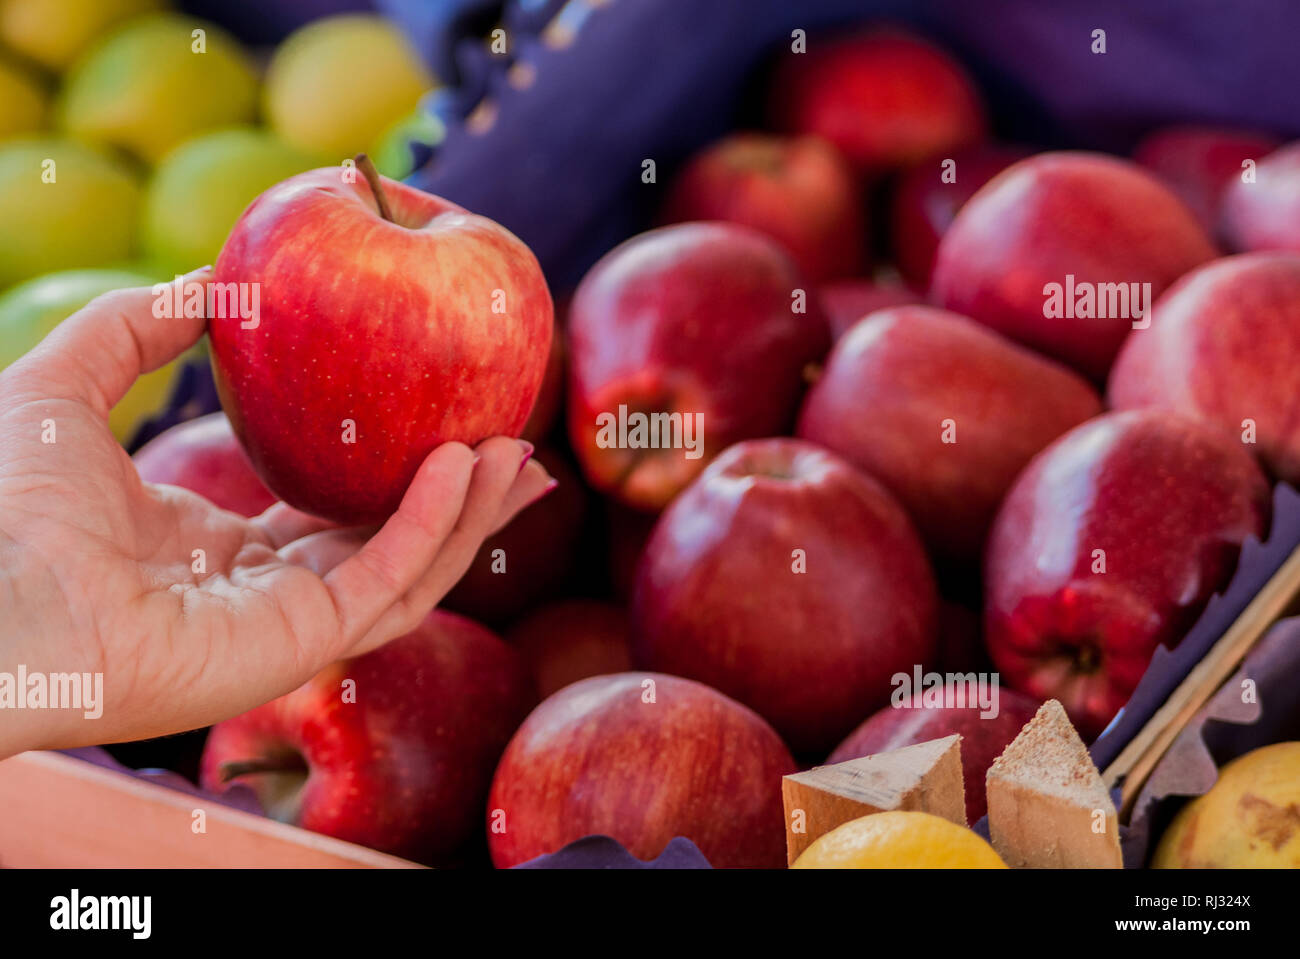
{"points": [[528, 454], [202, 269], [545, 491]]}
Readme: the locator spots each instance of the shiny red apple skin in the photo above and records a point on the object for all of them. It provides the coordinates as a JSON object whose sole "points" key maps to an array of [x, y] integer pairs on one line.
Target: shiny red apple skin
{"points": [[1099, 218], [1200, 162], [1265, 215], [388, 325], [597, 759], [717, 597], [982, 739], [884, 97], [797, 190], [205, 457], [847, 301], [697, 318], [570, 640], [1224, 348], [925, 206], [1168, 500], [406, 767], [892, 381]]}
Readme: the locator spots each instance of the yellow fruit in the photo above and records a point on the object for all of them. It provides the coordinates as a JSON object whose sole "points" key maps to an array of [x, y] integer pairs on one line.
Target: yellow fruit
{"points": [[56, 32], [899, 840], [23, 100], [1249, 819]]}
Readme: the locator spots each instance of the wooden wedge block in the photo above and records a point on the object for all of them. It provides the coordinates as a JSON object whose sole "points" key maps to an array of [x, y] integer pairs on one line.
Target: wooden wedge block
{"points": [[925, 778], [1048, 806]]}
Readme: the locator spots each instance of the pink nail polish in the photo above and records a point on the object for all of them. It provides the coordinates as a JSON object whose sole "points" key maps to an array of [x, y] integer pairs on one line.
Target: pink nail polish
{"points": [[545, 491], [528, 454]]}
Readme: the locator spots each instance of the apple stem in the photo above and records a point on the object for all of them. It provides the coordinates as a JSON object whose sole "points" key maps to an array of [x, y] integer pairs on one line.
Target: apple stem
{"points": [[367, 168], [243, 767]]}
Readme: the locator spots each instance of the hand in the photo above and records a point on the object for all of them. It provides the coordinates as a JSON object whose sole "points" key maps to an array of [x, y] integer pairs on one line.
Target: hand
{"points": [[96, 566]]}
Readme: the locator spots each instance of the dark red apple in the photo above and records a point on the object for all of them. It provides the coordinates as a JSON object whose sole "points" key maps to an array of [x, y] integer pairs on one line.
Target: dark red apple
{"points": [[393, 750], [1110, 544], [944, 412], [528, 560], [642, 758], [1088, 224], [572, 640], [928, 197], [1200, 162], [376, 338], [886, 98], [791, 581], [1224, 348], [797, 190], [550, 397], [982, 737], [707, 323], [847, 301], [1265, 215], [204, 456]]}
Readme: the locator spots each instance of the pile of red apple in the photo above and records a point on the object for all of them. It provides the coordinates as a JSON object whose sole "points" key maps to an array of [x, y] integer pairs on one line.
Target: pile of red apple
{"points": [[922, 466]]}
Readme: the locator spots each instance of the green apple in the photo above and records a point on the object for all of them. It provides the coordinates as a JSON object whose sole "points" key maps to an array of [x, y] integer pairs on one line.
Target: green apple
{"points": [[54, 33], [337, 84], [24, 102], [201, 187], [156, 82], [63, 205], [31, 310]]}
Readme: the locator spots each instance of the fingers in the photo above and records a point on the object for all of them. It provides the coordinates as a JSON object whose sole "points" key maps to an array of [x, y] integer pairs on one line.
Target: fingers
{"points": [[97, 353], [281, 524], [532, 484]]}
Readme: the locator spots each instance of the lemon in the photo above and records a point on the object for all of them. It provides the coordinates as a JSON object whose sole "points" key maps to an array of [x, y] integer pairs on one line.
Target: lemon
{"points": [[900, 840]]}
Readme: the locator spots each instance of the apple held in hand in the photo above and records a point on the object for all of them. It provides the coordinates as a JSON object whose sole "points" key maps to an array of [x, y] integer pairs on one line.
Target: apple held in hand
{"points": [[1109, 544], [393, 750], [205, 457], [642, 758], [791, 581], [695, 336], [383, 331]]}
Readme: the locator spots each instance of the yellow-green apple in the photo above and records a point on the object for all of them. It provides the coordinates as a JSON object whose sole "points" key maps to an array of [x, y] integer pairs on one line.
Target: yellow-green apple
{"points": [[928, 196], [198, 191], [204, 456], [984, 734], [1199, 163], [1065, 252], [884, 97], [682, 341], [62, 206], [336, 85], [1223, 348], [642, 758], [389, 321], [847, 301], [24, 101], [570, 640], [156, 82], [1264, 214], [797, 190], [1108, 545], [788, 579], [30, 310], [393, 749], [54, 33], [944, 412]]}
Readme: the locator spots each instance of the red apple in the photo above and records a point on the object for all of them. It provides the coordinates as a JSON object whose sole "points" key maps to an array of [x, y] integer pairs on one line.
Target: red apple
{"points": [[982, 737], [797, 190], [944, 412], [706, 322], [377, 338], [204, 456], [550, 397], [1108, 545], [529, 559], [847, 301], [1076, 221], [928, 197], [886, 98], [642, 758], [1224, 348], [1199, 163], [791, 581], [400, 758], [572, 640], [1265, 215]]}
